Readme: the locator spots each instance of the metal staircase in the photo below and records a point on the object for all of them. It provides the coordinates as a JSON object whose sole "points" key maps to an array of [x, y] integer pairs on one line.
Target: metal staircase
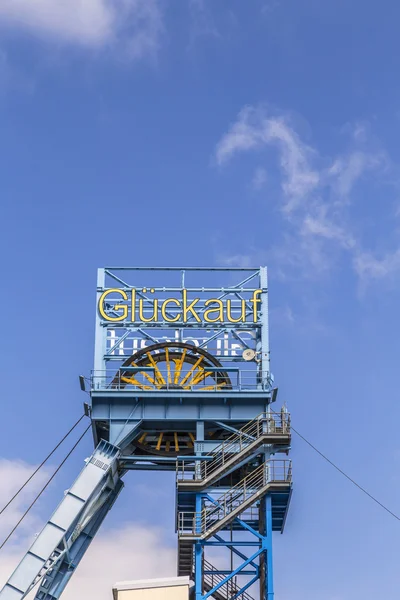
{"points": [[212, 501], [228, 591], [216, 514], [266, 428], [185, 558]]}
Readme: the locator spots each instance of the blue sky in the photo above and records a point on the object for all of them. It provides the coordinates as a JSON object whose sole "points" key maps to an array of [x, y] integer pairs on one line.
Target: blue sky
{"points": [[211, 133]]}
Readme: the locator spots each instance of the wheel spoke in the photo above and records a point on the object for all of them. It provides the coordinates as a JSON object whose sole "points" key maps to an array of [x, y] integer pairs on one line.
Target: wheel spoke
{"points": [[168, 365], [144, 374], [157, 371], [178, 366], [200, 376], [134, 381], [192, 370], [160, 437]]}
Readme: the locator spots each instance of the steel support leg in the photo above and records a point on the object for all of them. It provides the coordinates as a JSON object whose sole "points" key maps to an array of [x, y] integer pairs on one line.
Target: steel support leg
{"points": [[62, 542], [198, 570], [198, 553], [268, 542], [54, 583], [266, 567]]}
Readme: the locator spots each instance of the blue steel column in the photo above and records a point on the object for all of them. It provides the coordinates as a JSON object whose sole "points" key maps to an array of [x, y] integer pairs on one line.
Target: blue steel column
{"points": [[267, 505], [198, 552], [265, 359], [198, 547], [199, 438], [268, 541]]}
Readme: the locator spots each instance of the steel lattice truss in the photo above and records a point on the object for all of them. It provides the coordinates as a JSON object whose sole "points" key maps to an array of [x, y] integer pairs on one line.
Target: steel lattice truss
{"points": [[132, 291], [181, 380]]}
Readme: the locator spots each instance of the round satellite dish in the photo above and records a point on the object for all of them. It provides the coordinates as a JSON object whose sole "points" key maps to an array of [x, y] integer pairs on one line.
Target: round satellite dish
{"points": [[248, 354]]}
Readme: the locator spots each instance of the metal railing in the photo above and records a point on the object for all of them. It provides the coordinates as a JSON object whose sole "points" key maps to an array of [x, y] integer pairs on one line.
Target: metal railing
{"points": [[197, 524], [148, 379], [228, 590], [266, 423]]}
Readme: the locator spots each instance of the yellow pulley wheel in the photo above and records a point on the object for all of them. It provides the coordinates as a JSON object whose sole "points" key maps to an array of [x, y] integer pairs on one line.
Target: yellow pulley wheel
{"points": [[171, 366]]}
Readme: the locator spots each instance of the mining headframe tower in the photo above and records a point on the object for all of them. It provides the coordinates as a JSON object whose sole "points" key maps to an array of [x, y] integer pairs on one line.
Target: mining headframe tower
{"points": [[181, 382]]}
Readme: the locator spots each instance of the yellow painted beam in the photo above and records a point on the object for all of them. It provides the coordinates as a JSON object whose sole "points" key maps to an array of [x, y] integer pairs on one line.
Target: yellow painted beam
{"points": [[160, 437], [176, 441]]}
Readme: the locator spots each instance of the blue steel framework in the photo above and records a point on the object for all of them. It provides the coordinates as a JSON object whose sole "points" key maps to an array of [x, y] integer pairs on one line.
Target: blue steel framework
{"points": [[210, 419]]}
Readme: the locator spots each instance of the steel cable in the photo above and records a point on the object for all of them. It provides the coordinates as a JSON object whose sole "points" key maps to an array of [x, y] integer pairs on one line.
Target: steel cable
{"points": [[44, 487], [41, 465], [345, 475]]}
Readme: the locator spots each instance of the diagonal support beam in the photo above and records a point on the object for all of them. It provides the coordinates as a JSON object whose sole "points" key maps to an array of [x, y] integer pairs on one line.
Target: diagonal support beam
{"points": [[234, 430], [55, 581], [232, 574], [245, 587], [236, 551]]}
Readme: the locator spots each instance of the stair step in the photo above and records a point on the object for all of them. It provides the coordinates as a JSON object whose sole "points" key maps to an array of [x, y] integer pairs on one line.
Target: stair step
{"points": [[230, 464], [218, 523], [185, 558]]}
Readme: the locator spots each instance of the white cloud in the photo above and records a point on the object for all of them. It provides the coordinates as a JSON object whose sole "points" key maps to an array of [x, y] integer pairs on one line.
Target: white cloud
{"points": [[239, 260], [137, 24], [347, 170], [140, 24], [315, 193], [13, 474], [129, 551], [369, 267], [300, 179], [255, 129], [89, 22], [242, 135], [318, 225]]}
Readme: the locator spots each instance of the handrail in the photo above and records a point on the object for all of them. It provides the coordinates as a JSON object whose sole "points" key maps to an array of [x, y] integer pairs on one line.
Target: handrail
{"points": [[198, 523], [120, 380], [264, 423], [212, 579]]}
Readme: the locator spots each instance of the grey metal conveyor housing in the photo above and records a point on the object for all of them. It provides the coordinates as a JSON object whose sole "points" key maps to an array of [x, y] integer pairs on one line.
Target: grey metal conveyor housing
{"points": [[57, 550]]}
